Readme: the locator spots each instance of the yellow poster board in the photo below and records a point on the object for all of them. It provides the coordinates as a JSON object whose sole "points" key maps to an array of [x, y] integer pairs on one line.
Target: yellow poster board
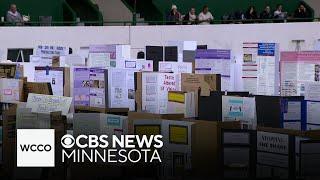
{"points": [[147, 130], [176, 97], [178, 134]]}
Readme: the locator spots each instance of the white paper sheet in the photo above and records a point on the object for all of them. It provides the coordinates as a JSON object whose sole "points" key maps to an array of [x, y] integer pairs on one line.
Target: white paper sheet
{"points": [[48, 103], [99, 60], [293, 111], [121, 89], [313, 113]]}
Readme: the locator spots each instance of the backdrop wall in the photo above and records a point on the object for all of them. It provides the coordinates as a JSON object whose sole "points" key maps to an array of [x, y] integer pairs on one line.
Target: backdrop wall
{"points": [[229, 36]]}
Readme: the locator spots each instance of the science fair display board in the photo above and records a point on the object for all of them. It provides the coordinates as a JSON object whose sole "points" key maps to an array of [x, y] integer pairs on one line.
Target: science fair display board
{"points": [[58, 77], [300, 74], [215, 61], [99, 124], [101, 88], [260, 68], [177, 136], [155, 88]]}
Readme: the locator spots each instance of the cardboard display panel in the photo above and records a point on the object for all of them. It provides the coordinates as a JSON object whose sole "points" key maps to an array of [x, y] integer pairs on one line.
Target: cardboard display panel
{"points": [[11, 70]]}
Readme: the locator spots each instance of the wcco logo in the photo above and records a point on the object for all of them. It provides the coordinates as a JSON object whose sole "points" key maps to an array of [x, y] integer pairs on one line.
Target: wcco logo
{"points": [[35, 148]]}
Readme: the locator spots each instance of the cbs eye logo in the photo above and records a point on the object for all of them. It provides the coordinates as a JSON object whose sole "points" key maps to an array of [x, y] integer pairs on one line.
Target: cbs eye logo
{"points": [[67, 141]]}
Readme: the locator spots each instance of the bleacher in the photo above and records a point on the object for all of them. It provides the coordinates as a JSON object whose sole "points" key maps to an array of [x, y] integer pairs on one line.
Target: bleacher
{"points": [[62, 12], [156, 10], [68, 12]]}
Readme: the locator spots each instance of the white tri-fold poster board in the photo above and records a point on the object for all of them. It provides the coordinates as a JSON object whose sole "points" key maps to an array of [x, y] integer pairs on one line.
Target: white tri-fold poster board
{"points": [[260, 68], [104, 88], [155, 88]]}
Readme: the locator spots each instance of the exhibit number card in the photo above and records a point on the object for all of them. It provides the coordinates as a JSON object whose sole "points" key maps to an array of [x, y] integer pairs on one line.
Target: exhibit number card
{"points": [[241, 109], [48, 103], [300, 74], [260, 68], [215, 61]]}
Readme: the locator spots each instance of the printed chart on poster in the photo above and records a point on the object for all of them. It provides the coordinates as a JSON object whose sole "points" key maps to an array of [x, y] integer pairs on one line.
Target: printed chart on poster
{"points": [[260, 68], [300, 74]]}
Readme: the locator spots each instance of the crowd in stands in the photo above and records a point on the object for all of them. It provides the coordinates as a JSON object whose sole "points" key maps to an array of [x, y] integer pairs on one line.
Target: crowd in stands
{"points": [[301, 14], [174, 17]]}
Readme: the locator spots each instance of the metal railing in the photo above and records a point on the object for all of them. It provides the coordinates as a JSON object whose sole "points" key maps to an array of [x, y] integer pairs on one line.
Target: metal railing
{"points": [[132, 23]]}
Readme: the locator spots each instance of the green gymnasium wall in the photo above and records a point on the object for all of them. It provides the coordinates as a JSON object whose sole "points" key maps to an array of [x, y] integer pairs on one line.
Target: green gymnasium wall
{"points": [[60, 10], [35, 8], [86, 11]]}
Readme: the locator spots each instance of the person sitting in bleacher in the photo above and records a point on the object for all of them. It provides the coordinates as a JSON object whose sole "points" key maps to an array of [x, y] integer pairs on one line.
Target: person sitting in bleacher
{"points": [[174, 16], [266, 14], [13, 16], [251, 14], [279, 14], [190, 17], [301, 13], [205, 17]]}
